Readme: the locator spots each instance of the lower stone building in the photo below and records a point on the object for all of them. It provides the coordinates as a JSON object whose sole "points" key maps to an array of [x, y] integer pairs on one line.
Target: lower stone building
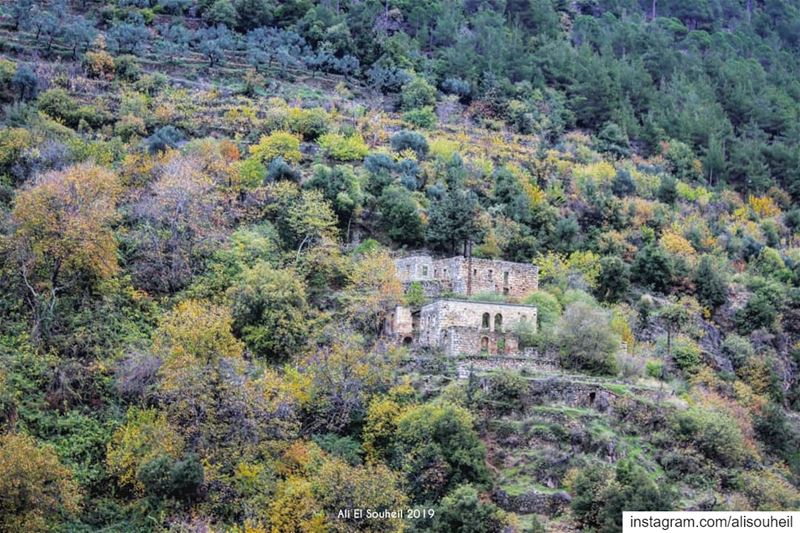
{"points": [[463, 327]]}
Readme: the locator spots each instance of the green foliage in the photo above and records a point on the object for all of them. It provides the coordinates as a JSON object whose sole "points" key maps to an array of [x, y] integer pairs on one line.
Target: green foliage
{"points": [[415, 295], [548, 308], [505, 391], [422, 118], [613, 282], [714, 432], [761, 309], [344, 148], [712, 289], [277, 144], [463, 510], [400, 216], [341, 187], [687, 354], [418, 93], [269, 308], [435, 445], [163, 477], [409, 140], [653, 267], [601, 495], [346, 448], [586, 341]]}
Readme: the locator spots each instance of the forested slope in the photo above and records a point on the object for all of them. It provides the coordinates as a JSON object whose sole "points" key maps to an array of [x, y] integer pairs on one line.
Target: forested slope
{"points": [[200, 203]]}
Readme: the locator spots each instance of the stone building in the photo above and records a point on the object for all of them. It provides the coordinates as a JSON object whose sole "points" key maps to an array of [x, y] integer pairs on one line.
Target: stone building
{"points": [[464, 326], [466, 276]]}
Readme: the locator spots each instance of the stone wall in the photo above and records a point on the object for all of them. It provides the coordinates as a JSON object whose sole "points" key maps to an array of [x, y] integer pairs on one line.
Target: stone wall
{"points": [[466, 327], [400, 323], [430, 288], [468, 276], [532, 502]]}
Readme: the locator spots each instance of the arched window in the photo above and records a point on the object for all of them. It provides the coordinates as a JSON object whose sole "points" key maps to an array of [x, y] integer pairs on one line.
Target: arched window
{"points": [[484, 344], [498, 322], [485, 321]]}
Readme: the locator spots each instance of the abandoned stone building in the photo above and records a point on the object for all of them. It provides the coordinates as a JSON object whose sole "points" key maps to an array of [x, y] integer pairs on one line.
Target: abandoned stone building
{"points": [[457, 326], [467, 276]]}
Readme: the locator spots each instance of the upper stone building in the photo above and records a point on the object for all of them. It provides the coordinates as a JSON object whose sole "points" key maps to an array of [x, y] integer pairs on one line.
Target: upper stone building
{"points": [[458, 326], [466, 276]]}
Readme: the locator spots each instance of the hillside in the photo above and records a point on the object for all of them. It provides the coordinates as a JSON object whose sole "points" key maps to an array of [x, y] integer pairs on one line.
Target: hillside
{"points": [[202, 206]]}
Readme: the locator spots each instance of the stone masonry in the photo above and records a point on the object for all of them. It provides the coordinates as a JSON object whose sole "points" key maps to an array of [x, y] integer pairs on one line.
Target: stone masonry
{"points": [[466, 276], [464, 327]]}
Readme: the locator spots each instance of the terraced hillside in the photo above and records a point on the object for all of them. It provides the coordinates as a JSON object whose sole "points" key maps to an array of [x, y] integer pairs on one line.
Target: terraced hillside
{"points": [[201, 205]]}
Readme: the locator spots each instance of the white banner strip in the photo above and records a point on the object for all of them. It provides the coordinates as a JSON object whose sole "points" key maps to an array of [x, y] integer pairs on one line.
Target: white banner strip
{"points": [[710, 522]]}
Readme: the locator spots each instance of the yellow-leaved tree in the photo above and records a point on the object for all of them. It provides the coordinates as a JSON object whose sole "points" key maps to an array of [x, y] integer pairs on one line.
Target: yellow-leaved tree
{"points": [[37, 492], [62, 237]]}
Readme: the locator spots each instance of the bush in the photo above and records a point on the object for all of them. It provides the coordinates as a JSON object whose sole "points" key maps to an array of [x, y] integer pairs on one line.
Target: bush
{"points": [[346, 448], [687, 354], [410, 140], [164, 477], [308, 123], [548, 309], [457, 86], [277, 144], [279, 170], [655, 368], [58, 104], [341, 148], [163, 139], [418, 93], [438, 448], [586, 341], [423, 117], [505, 390], [464, 510], [653, 267], [601, 496], [613, 282], [268, 307], [738, 349], [714, 432], [99, 65], [127, 68]]}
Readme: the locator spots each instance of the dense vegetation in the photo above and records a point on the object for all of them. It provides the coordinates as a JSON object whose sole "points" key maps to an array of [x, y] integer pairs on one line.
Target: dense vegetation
{"points": [[199, 204]]}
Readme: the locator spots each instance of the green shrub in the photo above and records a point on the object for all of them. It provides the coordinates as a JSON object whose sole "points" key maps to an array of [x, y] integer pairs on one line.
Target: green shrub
{"points": [[277, 144], [714, 432], [410, 140], [464, 510], [341, 148], [308, 123], [655, 368], [687, 354], [505, 390], [423, 117], [602, 495], [127, 68], [418, 93], [586, 341]]}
